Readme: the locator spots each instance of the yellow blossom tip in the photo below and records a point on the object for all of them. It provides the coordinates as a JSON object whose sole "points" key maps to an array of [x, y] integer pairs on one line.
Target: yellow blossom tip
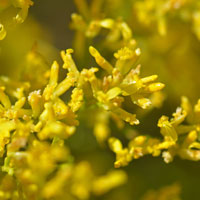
{"points": [[149, 79], [92, 51], [138, 51], [107, 23], [126, 53], [154, 87], [115, 144], [102, 62], [69, 51], [2, 32]]}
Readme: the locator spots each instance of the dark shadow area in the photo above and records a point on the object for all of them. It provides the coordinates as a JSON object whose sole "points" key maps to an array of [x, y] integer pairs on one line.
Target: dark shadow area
{"points": [[55, 16]]}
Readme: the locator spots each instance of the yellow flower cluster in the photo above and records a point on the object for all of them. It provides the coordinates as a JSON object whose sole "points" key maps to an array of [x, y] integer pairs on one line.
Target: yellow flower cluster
{"points": [[41, 111], [121, 80], [150, 13], [180, 137], [36, 122], [33, 134], [153, 12]]}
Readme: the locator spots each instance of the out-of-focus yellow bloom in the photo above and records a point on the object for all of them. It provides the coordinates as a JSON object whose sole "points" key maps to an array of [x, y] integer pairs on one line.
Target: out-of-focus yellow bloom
{"points": [[119, 35], [35, 69], [21, 6], [2, 32], [105, 183], [151, 12], [101, 126], [165, 193]]}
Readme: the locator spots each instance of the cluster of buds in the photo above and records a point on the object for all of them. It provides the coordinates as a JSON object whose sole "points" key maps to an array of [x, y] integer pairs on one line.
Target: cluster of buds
{"points": [[149, 13], [40, 112], [180, 137], [33, 133], [120, 80], [36, 119]]}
